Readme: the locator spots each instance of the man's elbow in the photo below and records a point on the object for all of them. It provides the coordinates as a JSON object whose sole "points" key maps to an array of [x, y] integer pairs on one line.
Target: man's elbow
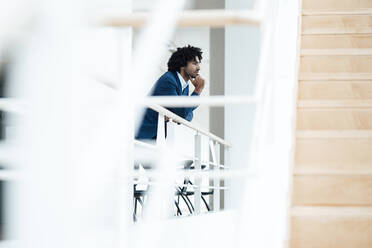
{"points": [[189, 116]]}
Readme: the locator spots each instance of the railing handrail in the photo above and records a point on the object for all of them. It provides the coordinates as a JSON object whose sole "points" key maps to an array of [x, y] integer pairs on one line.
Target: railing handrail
{"points": [[173, 116], [188, 18], [189, 157], [186, 101], [12, 105]]}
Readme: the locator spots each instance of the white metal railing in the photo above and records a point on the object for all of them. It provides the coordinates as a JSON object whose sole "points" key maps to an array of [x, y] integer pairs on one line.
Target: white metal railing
{"points": [[11, 105], [213, 145], [190, 18], [164, 112], [185, 101]]}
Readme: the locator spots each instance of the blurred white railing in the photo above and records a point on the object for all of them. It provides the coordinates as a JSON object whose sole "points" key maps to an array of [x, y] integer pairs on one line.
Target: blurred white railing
{"points": [[213, 146], [261, 219], [190, 18]]}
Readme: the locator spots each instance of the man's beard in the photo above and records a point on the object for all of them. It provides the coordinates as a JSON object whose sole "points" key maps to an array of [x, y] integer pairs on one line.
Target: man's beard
{"points": [[189, 75]]}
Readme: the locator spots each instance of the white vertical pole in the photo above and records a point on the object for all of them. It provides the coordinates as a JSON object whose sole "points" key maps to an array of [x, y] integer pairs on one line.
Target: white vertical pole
{"points": [[226, 193], [125, 130], [45, 138], [159, 205], [160, 135], [197, 163], [171, 133], [216, 181], [170, 141], [210, 180], [215, 150]]}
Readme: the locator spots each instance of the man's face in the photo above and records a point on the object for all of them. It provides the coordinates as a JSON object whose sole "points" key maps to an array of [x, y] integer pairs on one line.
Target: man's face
{"points": [[193, 67]]}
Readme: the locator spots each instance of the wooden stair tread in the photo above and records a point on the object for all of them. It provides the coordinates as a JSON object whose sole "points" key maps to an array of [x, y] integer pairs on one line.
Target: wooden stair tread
{"points": [[307, 170], [335, 90], [338, 153], [331, 227], [337, 24], [329, 212], [340, 41], [366, 11], [311, 76], [336, 31], [335, 134], [332, 189], [335, 82], [345, 119], [335, 4], [340, 64], [330, 51], [334, 104]]}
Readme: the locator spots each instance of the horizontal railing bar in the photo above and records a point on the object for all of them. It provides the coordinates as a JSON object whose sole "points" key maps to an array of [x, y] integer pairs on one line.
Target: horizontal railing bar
{"points": [[189, 18], [154, 147], [209, 174], [12, 105], [7, 153], [202, 186], [181, 185], [146, 145], [188, 124], [10, 175], [187, 101], [204, 162], [366, 11]]}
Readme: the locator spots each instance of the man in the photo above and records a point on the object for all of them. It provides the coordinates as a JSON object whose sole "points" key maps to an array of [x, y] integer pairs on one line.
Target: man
{"points": [[183, 67]]}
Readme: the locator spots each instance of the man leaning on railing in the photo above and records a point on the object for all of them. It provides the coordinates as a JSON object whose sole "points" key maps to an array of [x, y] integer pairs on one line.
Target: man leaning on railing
{"points": [[183, 66]]}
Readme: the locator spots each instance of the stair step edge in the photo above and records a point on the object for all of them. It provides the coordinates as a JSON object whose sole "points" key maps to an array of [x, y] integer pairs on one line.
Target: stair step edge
{"points": [[335, 76], [366, 11], [331, 172], [314, 211], [340, 52], [334, 103], [321, 31], [334, 134]]}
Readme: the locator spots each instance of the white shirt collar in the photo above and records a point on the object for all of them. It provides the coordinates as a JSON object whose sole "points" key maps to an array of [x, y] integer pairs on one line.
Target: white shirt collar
{"points": [[183, 82]]}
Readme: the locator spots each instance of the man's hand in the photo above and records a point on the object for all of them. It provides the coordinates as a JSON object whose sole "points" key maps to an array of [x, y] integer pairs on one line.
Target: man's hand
{"points": [[198, 82], [167, 119]]}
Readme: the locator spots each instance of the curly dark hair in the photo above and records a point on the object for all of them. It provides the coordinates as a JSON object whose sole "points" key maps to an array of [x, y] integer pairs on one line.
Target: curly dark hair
{"points": [[182, 56]]}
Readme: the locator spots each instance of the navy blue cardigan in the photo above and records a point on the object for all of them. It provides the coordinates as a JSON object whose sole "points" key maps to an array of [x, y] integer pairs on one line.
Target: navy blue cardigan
{"points": [[167, 85]]}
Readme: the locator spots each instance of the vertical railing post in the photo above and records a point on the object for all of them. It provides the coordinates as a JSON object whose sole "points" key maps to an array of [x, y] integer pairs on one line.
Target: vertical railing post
{"points": [[197, 163], [226, 182], [160, 135], [124, 131], [171, 133], [216, 181], [215, 151], [160, 198]]}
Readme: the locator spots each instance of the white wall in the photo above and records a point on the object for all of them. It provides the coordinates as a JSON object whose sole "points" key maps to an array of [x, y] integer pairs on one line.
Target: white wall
{"points": [[242, 51]]}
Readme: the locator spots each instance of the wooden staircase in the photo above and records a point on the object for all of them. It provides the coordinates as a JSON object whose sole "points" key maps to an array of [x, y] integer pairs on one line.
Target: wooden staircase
{"points": [[332, 180]]}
